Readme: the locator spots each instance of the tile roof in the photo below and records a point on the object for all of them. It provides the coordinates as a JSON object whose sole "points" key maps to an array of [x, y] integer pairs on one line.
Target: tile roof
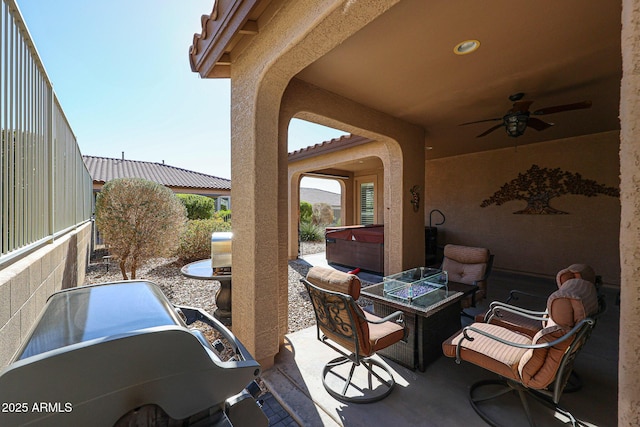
{"points": [[335, 144], [103, 169]]}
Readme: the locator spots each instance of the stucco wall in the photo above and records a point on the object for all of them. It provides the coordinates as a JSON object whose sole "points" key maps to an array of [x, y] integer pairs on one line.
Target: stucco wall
{"points": [[26, 284], [536, 244]]}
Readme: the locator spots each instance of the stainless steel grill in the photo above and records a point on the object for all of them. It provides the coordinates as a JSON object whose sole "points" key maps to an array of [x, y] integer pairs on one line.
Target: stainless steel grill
{"points": [[100, 353]]}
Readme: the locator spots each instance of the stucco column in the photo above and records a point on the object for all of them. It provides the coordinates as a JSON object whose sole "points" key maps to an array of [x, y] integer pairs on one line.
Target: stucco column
{"points": [[297, 35], [629, 363], [254, 174]]}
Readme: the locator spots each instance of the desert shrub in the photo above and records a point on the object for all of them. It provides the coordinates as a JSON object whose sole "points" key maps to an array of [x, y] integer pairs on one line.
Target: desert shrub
{"points": [[306, 211], [138, 219], [322, 214], [223, 214], [198, 207], [310, 232], [195, 241]]}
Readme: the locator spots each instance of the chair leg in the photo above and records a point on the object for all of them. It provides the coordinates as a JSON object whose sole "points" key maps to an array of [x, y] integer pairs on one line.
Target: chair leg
{"points": [[344, 386], [545, 400], [475, 400], [525, 405], [512, 387], [574, 383], [348, 381]]}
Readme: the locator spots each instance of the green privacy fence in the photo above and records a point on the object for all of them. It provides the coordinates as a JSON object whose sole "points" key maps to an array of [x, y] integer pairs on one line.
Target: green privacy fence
{"points": [[45, 188]]}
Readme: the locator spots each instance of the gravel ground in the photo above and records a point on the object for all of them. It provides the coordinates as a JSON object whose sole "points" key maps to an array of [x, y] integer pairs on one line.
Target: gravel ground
{"points": [[200, 293], [165, 272]]}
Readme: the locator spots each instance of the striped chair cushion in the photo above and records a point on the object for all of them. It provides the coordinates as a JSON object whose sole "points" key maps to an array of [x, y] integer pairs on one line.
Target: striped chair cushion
{"points": [[575, 300], [515, 322], [538, 367], [576, 271], [489, 353]]}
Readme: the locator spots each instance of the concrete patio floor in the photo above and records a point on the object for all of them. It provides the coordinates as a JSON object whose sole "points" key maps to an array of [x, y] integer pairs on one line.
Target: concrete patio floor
{"points": [[439, 396]]}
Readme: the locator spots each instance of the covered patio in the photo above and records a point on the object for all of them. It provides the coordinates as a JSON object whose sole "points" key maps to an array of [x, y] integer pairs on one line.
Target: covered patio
{"points": [[395, 72], [439, 396]]}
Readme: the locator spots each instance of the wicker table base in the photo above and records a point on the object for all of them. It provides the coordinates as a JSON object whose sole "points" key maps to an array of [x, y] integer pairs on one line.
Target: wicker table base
{"points": [[425, 335]]}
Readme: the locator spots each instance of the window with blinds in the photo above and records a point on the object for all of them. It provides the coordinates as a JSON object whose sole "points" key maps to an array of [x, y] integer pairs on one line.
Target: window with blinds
{"points": [[367, 205]]}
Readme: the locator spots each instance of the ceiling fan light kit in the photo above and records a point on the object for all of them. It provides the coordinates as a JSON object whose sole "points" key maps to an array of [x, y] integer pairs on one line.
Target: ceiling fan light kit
{"points": [[516, 124]]}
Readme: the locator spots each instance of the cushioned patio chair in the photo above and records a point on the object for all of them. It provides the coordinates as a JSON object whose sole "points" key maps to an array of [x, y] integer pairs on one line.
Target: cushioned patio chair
{"points": [[469, 265], [352, 332], [538, 366], [525, 320]]}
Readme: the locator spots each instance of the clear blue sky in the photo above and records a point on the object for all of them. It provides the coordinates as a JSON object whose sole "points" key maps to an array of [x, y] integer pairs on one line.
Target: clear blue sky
{"points": [[121, 72]]}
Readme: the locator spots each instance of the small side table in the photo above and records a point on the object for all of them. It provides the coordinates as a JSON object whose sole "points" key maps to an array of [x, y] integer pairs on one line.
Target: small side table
{"points": [[202, 270]]}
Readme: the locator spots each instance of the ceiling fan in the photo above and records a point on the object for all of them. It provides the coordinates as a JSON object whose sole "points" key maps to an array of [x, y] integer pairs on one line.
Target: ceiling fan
{"points": [[518, 117]]}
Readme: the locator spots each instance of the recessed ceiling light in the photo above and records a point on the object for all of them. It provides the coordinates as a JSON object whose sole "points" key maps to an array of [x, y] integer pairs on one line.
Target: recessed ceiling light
{"points": [[466, 47]]}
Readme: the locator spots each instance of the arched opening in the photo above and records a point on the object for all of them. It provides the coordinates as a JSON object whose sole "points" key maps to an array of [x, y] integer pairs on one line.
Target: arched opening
{"points": [[320, 195], [320, 207], [334, 183]]}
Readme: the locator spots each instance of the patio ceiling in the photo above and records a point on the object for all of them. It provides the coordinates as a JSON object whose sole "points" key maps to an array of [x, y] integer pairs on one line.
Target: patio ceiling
{"points": [[403, 64], [555, 52]]}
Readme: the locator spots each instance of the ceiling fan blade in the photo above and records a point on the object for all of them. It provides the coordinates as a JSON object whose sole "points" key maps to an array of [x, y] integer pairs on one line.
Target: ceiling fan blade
{"points": [[559, 108], [491, 129], [538, 124], [520, 106], [481, 121]]}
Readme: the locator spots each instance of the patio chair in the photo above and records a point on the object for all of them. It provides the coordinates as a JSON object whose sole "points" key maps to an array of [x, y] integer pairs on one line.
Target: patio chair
{"points": [[538, 366], [526, 321], [355, 334], [469, 265], [530, 326]]}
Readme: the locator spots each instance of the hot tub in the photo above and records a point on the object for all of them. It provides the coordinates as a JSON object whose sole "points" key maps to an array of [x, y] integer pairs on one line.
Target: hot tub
{"points": [[357, 246]]}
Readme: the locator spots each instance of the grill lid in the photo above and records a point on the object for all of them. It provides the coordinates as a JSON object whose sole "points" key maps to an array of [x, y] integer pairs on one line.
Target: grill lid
{"points": [[98, 311]]}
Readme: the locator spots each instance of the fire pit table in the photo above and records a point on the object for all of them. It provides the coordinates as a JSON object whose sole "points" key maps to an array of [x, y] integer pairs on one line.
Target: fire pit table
{"points": [[431, 307]]}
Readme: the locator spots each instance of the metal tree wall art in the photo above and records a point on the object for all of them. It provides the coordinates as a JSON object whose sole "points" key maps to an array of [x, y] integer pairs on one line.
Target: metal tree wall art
{"points": [[537, 186]]}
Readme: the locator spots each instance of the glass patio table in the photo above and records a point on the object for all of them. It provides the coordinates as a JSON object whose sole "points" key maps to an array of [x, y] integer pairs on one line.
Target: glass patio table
{"points": [[431, 314]]}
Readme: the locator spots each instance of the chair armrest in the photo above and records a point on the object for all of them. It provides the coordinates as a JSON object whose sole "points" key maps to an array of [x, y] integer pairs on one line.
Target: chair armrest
{"points": [[569, 334], [398, 316], [496, 306], [513, 295]]}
